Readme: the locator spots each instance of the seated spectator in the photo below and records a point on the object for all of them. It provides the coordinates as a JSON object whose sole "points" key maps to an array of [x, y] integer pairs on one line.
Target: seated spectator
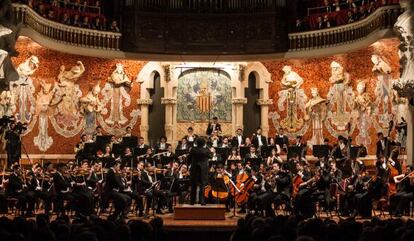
{"points": [[298, 25], [327, 6], [337, 6], [97, 25], [371, 8], [76, 21], [51, 15], [350, 4], [65, 19], [356, 13], [97, 7], [85, 23], [41, 10], [362, 13], [319, 23], [114, 26], [351, 18], [326, 22], [55, 3]]}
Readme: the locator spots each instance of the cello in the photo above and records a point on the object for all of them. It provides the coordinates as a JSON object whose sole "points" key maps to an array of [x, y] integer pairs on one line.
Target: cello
{"points": [[392, 186], [245, 185]]}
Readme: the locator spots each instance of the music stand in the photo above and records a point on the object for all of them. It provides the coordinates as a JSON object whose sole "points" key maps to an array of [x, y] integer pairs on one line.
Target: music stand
{"points": [[266, 150], [224, 152], [244, 150], [320, 150], [107, 161], [181, 152], [102, 141], [140, 151], [130, 141], [118, 149], [90, 149], [294, 151], [166, 160], [254, 161]]}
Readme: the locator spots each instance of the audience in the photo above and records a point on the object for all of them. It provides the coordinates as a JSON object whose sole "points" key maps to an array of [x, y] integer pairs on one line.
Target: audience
{"points": [[291, 228], [78, 13], [330, 13], [95, 229]]}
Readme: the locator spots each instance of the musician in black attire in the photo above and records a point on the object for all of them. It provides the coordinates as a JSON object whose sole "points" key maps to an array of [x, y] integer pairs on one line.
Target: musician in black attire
{"points": [[63, 184], [198, 158], [259, 140], [260, 193], [400, 202], [113, 188], [17, 188], [282, 140], [39, 188], [282, 186], [13, 145], [213, 126], [383, 145], [83, 199], [151, 188], [238, 139], [131, 190]]}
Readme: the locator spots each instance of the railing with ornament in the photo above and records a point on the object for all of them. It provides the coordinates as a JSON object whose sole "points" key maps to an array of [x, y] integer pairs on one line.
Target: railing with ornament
{"points": [[62, 33], [383, 18]]}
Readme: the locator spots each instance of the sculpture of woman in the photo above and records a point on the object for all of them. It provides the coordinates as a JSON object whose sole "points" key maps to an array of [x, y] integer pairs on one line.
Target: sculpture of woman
{"points": [[67, 94], [24, 89], [115, 90], [90, 107], [362, 108], [293, 97], [340, 96], [43, 99], [315, 111]]}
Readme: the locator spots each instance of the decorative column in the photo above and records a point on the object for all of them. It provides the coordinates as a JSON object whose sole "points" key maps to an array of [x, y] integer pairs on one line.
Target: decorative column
{"points": [[170, 118], [237, 115], [405, 85], [264, 114], [144, 127]]}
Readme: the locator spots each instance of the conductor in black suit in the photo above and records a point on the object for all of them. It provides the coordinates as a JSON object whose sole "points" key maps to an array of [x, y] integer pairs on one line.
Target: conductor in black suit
{"points": [[198, 158], [213, 126]]}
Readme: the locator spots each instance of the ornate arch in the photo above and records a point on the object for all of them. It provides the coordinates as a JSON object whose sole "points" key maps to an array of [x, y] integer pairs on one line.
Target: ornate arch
{"points": [[263, 79], [145, 79]]}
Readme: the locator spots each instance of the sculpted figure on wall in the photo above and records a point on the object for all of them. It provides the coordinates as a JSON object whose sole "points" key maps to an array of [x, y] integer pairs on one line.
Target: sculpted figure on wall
{"points": [[67, 94], [383, 90], [23, 89], [292, 99], [316, 113], [43, 141], [90, 107], [340, 97], [362, 109], [404, 27], [9, 32], [116, 91], [7, 106]]}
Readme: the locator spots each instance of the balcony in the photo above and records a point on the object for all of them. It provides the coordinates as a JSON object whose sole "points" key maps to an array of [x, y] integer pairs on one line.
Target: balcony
{"points": [[151, 45], [69, 35]]}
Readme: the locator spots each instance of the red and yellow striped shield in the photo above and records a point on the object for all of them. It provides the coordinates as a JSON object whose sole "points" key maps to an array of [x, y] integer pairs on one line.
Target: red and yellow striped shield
{"points": [[204, 103]]}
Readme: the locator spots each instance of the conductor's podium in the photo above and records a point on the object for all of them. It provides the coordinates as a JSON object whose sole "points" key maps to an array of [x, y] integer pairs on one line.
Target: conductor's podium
{"points": [[198, 212]]}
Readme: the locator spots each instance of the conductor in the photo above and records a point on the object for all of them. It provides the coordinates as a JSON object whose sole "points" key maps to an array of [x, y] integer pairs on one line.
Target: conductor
{"points": [[198, 158]]}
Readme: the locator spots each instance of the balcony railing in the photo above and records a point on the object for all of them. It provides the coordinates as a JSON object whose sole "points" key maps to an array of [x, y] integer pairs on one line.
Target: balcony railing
{"points": [[383, 18], [62, 33]]}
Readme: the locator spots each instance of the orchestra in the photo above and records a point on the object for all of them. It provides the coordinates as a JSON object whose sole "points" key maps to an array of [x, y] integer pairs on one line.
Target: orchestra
{"points": [[255, 174]]}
